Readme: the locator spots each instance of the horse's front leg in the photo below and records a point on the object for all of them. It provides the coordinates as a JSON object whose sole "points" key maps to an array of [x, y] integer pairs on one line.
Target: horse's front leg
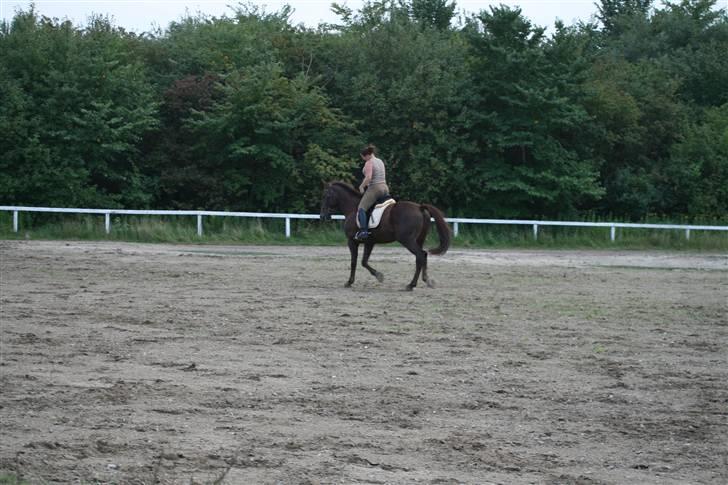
{"points": [[365, 262], [354, 250]]}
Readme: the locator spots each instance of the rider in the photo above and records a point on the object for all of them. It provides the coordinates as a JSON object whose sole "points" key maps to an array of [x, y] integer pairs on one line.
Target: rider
{"points": [[372, 188]]}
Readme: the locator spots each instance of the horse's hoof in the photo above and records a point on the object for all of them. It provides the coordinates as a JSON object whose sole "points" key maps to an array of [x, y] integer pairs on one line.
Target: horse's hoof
{"points": [[380, 277], [348, 284], [430, 283], [408, 288]]}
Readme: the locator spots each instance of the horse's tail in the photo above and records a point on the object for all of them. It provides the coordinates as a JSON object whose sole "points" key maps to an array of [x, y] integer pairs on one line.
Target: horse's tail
{"points": [[443, 230]]}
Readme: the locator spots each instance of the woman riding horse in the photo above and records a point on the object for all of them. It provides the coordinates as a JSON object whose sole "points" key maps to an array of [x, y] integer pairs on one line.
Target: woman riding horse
{"points": [[406, 222], [372, 188]]}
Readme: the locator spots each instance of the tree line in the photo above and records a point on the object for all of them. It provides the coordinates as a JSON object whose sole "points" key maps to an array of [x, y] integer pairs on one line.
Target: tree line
{"points": [[482, 114]]}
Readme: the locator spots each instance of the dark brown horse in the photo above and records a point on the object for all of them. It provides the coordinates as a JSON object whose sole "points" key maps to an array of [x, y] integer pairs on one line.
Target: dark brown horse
{"points": [[406, 222]]}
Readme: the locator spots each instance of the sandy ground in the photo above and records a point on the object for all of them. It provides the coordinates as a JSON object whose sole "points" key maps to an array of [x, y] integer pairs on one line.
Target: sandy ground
{"points": [[129, 363]]}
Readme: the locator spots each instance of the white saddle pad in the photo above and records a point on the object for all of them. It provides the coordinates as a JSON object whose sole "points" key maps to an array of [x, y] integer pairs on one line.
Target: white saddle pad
{"points": [[376, 216]]}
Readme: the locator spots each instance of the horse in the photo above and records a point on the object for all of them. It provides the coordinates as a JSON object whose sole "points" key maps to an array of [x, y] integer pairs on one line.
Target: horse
{"points": [[405, 222]]}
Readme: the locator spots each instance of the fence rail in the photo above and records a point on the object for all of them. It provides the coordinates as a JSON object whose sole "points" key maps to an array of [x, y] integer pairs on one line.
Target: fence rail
{"points": [[456, 221]]}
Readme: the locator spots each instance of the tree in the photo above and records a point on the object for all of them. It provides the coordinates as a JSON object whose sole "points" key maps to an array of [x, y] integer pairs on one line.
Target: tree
{"points": [[265, 141], [614, 14], [694, 42], [408, 102], [183, 182], [79, 106], [492, 117], [527, 121], [437, 14], [639, 111], [697, 182]]}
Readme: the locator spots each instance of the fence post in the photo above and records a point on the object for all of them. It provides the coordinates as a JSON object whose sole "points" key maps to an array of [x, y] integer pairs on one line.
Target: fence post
{"points": [[288, 227], [612, 233], [199, 225], [107, 222], [535, 232], [455, 229], [687, 234], [15, 221]]}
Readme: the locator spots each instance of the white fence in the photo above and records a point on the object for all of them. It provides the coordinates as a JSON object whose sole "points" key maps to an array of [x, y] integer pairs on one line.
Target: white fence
{"points": [[107, 213]]}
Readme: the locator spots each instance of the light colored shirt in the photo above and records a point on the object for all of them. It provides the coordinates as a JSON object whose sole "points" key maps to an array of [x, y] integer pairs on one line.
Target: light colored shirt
{"points": [[379, 173]]}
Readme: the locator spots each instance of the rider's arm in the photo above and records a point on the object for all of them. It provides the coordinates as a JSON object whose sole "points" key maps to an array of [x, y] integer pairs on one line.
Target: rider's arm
{"points": [[368, 169]]}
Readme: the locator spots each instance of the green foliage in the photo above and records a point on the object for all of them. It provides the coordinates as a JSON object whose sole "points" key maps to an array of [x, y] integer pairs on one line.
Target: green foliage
{"points": [[409, 102], [433, 13], [697, 175], [269, 132], [637, 108], [694, 37], [526, 119], [618, 16], [489, 116], [75, 108]]}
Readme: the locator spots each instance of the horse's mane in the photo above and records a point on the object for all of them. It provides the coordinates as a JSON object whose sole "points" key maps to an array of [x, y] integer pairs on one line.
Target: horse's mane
{"points": [[347, 187]]}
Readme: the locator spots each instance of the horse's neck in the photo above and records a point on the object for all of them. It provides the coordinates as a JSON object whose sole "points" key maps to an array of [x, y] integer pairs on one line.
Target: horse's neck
{"points": [[349, 203]]}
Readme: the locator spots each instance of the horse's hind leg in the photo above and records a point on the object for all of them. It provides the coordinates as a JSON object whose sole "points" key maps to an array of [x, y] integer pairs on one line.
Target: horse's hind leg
{"points": [[428, 281], [421, 243], [354, 250], [420, 261], [365, 262]]}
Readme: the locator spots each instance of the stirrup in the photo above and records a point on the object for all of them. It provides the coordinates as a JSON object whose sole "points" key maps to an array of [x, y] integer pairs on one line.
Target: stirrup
{"points": [[362, 235]]}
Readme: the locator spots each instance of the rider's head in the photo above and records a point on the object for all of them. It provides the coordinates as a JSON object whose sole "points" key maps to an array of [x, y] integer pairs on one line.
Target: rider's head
{"points": [[368, 151]]}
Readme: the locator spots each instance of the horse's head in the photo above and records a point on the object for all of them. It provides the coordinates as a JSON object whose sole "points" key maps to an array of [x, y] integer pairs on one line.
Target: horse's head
{"points": [[329, 203], [339, 198]]}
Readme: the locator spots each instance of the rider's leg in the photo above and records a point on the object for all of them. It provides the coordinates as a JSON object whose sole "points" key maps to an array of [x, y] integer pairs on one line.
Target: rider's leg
{"points": [[367, 200], [363, 232]]}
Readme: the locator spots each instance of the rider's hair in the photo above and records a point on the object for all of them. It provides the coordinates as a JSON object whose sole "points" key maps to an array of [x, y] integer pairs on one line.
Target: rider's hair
{"points": [[369, 150]]}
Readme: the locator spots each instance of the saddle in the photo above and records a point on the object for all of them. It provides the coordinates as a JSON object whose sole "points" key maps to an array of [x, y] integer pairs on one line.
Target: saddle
{"points": [[375, 212]]}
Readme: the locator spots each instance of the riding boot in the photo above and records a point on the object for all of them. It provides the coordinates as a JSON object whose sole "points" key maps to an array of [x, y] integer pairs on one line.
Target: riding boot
{"points": [[363, 233]]}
